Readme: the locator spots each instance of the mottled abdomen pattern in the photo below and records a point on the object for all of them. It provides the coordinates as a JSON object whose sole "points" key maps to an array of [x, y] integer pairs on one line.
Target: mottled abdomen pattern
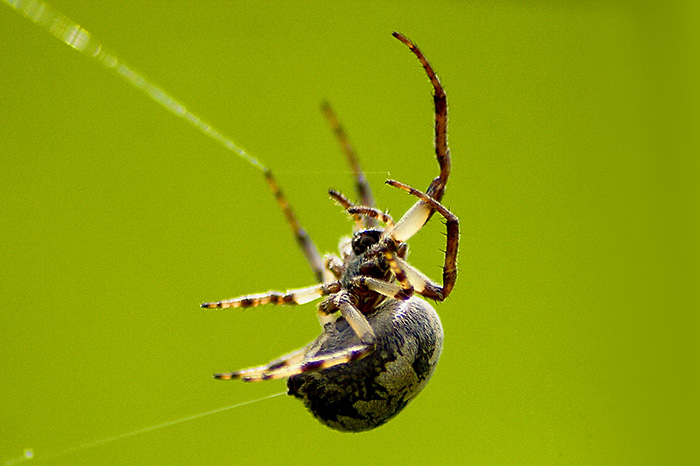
{"points": [[364, 394]]}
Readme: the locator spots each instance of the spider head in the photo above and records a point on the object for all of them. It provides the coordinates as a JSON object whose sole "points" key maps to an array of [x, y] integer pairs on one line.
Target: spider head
{"points": [[365, 239], [365, 259]]}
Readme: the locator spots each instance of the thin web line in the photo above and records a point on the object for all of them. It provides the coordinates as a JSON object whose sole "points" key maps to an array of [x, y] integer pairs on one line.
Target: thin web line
{"points": [[72, 34], [29, 453]]}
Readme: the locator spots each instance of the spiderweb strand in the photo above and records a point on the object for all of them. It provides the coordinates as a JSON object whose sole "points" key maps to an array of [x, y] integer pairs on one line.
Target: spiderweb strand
{"points": [[30, 455], [72, 34]]}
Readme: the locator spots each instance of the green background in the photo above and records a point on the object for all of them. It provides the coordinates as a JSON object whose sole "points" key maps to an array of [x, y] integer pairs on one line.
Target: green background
{"points": [[568, 336]]}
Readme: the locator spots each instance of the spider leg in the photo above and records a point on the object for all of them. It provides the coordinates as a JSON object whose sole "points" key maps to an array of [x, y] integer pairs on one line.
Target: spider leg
{"points": [[291, 297], [388, 289], [363, 188], [341, 199], [401, 291], [442, 150], [346, 204], [449, 272], [410, 279], [400, 274], [421, 283], [288, 369], [411, 222], [305, 242], [341, 302], [335, 265], [257, 373], [358, 212], [371, 212], [298, 362]]}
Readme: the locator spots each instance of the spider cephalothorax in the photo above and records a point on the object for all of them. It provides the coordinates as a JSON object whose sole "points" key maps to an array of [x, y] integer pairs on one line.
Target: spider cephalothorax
{"points": [[380, 342]]}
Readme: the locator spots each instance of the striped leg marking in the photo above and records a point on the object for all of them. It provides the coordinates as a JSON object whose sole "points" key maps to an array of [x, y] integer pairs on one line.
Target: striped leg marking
{"points": [[297, 363], [313, 257], [371, 212], [288, 369], [257, 373], [291, 297], [362, 187], [346, 204]]}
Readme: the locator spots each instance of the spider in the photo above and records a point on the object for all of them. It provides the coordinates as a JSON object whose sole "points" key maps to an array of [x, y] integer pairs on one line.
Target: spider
{"points": [[380, 342]]}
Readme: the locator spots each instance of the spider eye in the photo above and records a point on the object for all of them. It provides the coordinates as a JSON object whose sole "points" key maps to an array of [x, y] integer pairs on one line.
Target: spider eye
{"points": [[364, 240]]}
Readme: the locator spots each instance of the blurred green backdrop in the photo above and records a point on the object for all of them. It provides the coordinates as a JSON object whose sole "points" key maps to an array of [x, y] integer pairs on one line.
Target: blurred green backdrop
{"points": [[578, 206]]}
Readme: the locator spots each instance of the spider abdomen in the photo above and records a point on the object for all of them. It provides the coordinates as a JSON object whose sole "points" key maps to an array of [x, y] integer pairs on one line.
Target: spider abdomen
{"points": [[364, 394]]}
